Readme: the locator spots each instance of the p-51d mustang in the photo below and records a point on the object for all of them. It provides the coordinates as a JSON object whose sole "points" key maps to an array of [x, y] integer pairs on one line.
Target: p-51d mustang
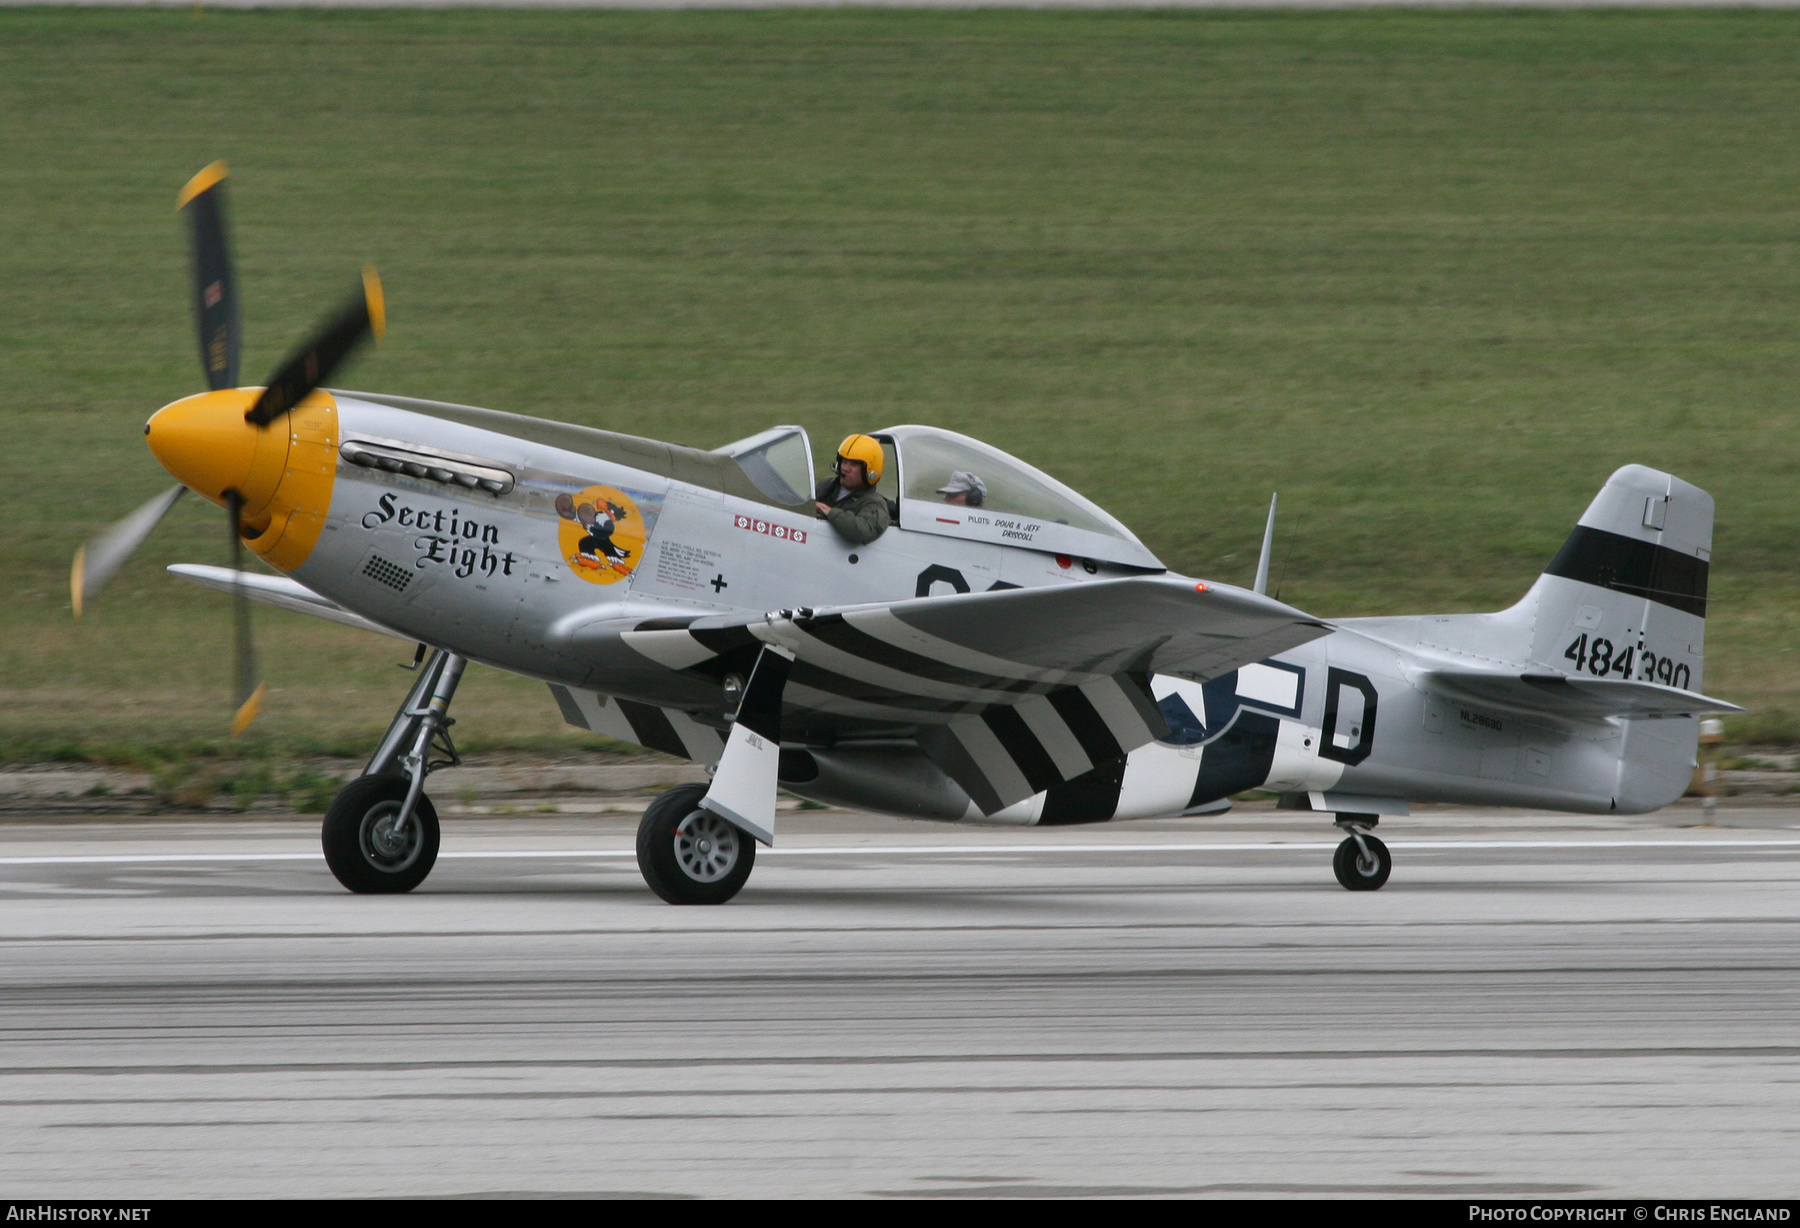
{"points": [[1025, 660]]}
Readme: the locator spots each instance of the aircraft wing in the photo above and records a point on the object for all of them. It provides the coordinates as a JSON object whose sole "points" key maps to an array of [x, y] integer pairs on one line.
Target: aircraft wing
{"points": [[1570, 696], [1012, 691], [280, 592]]}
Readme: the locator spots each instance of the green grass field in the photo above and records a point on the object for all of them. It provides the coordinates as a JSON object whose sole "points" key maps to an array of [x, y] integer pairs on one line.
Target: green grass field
{"points": [[1431, 275]]}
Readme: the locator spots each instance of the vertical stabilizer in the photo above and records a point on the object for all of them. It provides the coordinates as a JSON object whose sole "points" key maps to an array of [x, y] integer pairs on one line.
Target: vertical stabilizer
{"points": [[1625, 598]]}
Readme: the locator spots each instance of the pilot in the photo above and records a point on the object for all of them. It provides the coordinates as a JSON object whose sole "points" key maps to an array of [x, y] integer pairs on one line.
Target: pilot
{"points": [[848, 500], [964, 489]]}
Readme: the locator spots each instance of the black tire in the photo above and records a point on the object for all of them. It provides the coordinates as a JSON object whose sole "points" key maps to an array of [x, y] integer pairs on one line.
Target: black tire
{"points": [[1357, 874], [358, 849], [689, 855]]}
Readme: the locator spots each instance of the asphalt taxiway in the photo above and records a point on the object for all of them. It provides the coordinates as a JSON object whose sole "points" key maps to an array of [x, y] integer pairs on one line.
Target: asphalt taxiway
{"points": [[1533, 1006]]}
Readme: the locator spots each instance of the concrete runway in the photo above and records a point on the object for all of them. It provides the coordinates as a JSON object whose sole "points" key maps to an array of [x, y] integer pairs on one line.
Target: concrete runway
{"points": [[1533, 1006]]}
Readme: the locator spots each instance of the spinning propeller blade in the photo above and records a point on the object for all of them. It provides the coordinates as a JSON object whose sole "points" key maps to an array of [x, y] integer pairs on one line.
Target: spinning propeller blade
{"points": [[215, 291], [365, 315], [99, 560]]}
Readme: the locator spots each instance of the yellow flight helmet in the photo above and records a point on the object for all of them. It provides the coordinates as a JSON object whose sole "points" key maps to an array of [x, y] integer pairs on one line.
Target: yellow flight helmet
{"points": [[864, 449]]}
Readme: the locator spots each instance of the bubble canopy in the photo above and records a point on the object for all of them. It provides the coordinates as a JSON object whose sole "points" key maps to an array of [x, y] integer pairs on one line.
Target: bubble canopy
{"points": [[1023, 506]]}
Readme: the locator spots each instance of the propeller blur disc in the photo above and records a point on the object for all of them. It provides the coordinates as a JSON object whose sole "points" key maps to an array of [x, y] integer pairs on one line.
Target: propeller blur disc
{"points": [[202, 203]]}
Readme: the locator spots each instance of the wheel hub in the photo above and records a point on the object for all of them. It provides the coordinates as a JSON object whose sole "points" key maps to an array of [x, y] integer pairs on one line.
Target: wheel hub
{"points": [[706, 847], [386, 842]]}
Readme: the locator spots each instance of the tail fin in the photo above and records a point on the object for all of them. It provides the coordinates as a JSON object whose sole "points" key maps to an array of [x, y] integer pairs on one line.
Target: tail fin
{"points": [[1625, 597], [1607, 639]]}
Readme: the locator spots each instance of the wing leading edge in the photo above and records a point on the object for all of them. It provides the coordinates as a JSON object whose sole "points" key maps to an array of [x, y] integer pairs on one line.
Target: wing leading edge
{"points": [[278, 591]]}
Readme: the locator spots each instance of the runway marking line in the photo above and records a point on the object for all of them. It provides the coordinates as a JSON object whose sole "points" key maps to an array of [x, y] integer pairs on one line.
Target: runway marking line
{"points": [[901, 850]]}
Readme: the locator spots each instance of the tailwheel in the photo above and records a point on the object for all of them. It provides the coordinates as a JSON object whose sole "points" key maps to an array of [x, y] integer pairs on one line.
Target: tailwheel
{"points": [[688, 854], [1362, 863], [367, 847]]}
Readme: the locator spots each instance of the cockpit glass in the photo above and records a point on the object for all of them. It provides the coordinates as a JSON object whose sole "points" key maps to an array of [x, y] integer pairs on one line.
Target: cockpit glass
{"points": [[932, 462]]}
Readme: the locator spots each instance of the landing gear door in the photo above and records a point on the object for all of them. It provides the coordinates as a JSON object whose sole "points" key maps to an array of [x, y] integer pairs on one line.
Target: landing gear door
{"points": [[777, 461]]}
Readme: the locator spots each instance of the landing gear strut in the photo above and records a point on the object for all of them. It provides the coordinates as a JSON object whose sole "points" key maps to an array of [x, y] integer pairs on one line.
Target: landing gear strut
{"points": [[381, 832], [1362, 862]]}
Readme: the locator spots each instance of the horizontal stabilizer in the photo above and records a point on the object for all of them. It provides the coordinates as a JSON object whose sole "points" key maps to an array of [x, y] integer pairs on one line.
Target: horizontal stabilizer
{"points": [[1579, 698], [280, 592]]}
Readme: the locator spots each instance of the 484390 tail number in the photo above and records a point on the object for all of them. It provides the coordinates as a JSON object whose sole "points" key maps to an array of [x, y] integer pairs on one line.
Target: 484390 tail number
{"points": [[1599, 658]]}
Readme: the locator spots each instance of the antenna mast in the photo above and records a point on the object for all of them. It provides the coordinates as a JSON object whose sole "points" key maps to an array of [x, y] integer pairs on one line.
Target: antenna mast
{"points": [[1268, 546]]}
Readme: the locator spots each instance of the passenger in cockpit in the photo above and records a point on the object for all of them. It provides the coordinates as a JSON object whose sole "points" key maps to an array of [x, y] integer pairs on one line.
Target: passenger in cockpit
{"points": [[964, 489]]}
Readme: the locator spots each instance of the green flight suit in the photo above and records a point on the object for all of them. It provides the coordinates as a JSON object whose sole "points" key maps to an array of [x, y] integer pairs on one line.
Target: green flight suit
{"points": [[861, 518]]}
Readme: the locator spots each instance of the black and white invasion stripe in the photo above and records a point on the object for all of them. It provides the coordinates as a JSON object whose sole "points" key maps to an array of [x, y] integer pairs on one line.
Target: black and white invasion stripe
{"points": [[666, 729], [947, 670], [1001, 729], [1006, 753]]}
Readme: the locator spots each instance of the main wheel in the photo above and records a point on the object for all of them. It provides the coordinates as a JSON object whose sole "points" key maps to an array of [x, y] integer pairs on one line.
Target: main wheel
{"points": [[689, 855], [1357, 872], [366, 849]]}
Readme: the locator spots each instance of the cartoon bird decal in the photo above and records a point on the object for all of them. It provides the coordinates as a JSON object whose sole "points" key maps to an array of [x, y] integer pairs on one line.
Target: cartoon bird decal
{"points": [[597, 549]]}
